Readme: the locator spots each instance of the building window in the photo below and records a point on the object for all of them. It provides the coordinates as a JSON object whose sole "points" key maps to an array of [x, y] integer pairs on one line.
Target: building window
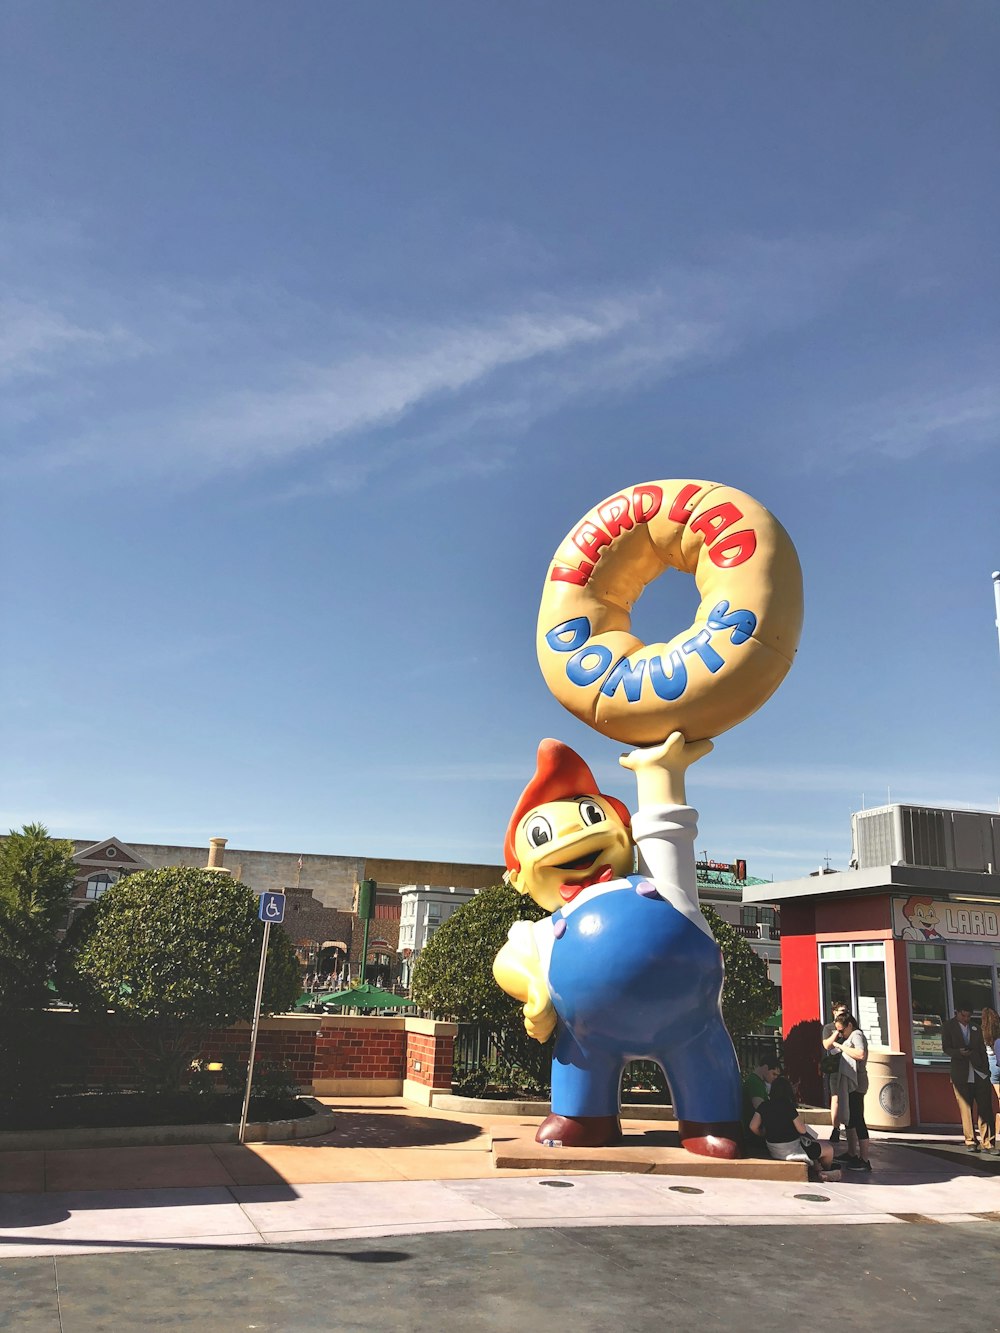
{"points": [[767, 916], [855, 975], [748, 916], [938, 985], [973, 985], [928, 999], [100, 883]]}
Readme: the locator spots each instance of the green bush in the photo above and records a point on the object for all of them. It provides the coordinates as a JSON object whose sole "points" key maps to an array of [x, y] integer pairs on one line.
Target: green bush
{"points": [[36, 880], [166, 955]]}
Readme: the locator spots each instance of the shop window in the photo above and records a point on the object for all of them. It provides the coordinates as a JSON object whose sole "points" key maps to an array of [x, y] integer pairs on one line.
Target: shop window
{"points": [[973, 986], [938, 986], [872, 1012], [929, 1004], [854, 974], [836, 987]]}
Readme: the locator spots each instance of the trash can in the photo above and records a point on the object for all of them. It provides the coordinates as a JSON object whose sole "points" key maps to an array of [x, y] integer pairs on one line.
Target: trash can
{"points": [[887, 1101]]}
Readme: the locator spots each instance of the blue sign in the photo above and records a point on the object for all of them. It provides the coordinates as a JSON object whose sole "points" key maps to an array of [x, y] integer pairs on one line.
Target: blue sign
{"points": [[272, 908]]}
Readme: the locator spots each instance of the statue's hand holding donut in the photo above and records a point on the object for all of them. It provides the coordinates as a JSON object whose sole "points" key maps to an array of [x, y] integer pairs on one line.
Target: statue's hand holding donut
{"points": [[660, 769]]}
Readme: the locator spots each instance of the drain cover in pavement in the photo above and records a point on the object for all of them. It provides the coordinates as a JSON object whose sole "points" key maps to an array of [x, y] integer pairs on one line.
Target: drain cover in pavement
{"points": [[814, 1198], [558, 1184], [685, 1189]]}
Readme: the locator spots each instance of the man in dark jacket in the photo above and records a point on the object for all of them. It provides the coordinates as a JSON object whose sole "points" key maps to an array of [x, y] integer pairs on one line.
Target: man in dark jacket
{"points": [[970, 1076]]}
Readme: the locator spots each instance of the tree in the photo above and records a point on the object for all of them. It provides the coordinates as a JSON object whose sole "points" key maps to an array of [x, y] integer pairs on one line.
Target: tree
{"points": [[36, 880], [748, 996], [454, 973], [164, 956], [454, 977]]}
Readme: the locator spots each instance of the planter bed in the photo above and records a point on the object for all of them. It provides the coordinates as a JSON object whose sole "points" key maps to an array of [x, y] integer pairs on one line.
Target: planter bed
{"points": [[113, 1110], [188, 1120]]}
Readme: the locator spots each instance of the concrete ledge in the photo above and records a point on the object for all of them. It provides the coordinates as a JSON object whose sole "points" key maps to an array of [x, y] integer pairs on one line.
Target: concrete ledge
{"points": [[430, 1027], [522, 1153], [422, 1094], [357, 1087], [448, 1101], [371, 1022], [322, 1121]]}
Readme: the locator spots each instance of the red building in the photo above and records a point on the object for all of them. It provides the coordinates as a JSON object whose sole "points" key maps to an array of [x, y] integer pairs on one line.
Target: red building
{"points": [[911, 929]]}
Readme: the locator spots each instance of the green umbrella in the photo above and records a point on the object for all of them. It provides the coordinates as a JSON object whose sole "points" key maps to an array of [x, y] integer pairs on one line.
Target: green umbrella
{"points": [[361, 997]]}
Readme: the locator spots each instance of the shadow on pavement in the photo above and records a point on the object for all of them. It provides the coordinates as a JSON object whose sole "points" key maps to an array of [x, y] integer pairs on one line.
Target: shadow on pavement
{"points": [[274, 1251], [372, 1130]]}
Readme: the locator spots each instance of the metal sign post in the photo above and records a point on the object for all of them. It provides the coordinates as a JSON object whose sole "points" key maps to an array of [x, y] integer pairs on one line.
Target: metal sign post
{"points": [[366, 909], [271, 911]]}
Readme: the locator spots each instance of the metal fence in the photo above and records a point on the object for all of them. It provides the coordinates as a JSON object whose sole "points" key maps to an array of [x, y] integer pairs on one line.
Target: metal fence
{"points": [[483, 1053], [475, 1045], [756, 1048]]}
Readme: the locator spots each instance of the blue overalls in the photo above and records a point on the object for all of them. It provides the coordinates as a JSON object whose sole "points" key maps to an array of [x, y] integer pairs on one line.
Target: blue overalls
{"points": [[632, 978]]}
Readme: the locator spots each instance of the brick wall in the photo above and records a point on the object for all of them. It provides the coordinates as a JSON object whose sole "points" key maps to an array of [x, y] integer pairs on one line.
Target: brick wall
{"points": [[431, 1046], [360, 1049], [331, 1054]]}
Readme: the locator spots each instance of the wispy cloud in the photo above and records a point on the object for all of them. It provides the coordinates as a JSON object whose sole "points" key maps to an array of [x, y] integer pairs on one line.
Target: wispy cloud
{"points": [[37, 340], [237, 379], [950, 408], [859, 786], [966, 416]]}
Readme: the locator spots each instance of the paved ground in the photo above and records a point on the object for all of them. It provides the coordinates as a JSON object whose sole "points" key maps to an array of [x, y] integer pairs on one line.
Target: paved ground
{"points": [[582, 1280], [399, 1219]]}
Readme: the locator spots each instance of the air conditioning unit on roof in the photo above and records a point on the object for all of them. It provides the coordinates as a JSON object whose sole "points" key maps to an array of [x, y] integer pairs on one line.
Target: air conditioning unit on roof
{"points": [[926, 836]]}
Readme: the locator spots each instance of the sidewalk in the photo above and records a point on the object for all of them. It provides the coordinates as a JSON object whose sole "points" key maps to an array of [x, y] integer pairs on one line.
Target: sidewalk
{"points": [[390, 1168]]}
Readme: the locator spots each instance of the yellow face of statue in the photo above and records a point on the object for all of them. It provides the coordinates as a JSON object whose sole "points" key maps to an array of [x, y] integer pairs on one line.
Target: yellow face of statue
{"points": [[565, 846]]}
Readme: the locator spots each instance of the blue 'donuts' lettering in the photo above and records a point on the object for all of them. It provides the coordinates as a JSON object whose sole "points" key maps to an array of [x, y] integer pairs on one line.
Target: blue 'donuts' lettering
{"points": [[589, 661], [589, 664]]}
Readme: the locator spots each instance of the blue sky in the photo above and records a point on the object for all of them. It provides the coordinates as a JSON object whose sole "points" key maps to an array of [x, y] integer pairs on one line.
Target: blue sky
{"points": [[325, 322]]}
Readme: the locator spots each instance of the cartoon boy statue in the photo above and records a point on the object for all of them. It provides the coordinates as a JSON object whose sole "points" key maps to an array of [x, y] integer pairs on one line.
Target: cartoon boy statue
{"points": [[625, 967]]}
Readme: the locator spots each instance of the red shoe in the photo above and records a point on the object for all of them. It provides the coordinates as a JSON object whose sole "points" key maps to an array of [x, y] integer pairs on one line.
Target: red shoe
{"points": [[583, 1131], [722, 1138]]}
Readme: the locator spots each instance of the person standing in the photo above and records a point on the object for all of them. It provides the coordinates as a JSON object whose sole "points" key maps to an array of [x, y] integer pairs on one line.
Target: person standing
{"points": [[830, 1066], [853, 1080], [970, 1077], [989, 1026]]}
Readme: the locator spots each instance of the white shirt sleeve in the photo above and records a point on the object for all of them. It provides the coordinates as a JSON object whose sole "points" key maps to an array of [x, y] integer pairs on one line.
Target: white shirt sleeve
{"points": [[664, 835]]}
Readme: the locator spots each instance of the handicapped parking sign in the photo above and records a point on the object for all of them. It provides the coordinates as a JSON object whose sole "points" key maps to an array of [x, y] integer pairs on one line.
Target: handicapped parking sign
{"points": [[272, 908]]}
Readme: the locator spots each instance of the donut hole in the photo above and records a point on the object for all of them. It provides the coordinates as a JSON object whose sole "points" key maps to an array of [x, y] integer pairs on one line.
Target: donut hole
{"points": [[672, 600]]}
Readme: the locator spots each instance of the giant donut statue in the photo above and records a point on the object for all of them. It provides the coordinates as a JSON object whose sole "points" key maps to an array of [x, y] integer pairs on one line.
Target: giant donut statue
{"points": [[711, 675]]}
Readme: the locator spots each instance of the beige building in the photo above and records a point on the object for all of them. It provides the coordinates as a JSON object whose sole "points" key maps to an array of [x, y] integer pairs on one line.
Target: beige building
{"points": [[320, 915]]}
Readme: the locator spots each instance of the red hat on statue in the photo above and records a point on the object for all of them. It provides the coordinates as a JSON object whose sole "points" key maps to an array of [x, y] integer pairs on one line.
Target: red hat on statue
{"points": [[560, 775]]}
